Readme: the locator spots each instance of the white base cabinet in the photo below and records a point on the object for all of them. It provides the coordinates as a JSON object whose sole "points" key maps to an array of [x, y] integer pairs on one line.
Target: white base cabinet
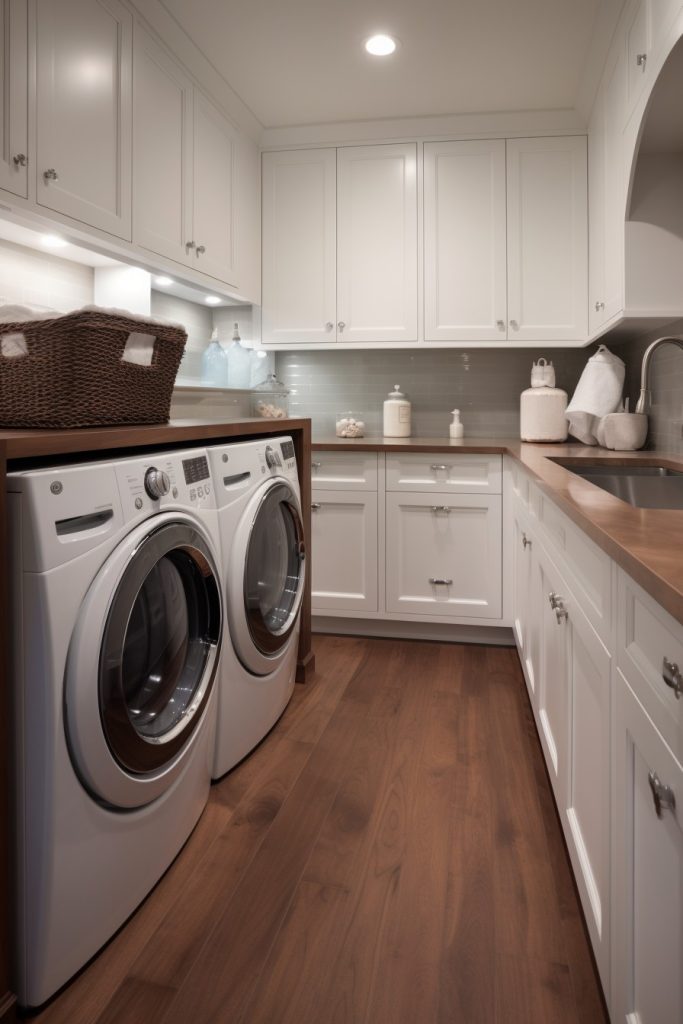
{"points": [[595, 649], [444, 554], [344, 551]]}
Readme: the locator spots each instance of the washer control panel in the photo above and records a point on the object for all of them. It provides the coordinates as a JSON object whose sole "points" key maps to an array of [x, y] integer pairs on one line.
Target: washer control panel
{"points": [[164, 481]]}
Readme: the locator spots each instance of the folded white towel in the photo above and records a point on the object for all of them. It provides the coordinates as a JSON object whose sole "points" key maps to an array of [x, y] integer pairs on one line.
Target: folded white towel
{"points": [[597, 394]]}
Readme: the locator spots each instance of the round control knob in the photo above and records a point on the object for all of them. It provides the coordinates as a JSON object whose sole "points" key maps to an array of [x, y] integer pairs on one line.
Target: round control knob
{"points": [[272, 458], [157, 483]]}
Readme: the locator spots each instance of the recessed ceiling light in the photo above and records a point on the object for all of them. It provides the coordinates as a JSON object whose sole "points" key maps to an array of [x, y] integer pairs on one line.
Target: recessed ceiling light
{"points": [[380, 45], [53, 242], [212, 300], [163, 281]]}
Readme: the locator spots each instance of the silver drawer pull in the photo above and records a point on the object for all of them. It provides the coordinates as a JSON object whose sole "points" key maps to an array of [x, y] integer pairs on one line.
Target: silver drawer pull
{"points": [[671, 674], [316, 465], [436, 467], [315, 505], [526, 543], [662, 794], [436, 582]]}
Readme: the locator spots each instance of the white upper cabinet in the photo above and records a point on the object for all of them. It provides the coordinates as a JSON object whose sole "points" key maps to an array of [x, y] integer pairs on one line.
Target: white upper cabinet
{"points": [[184, 168], [215, 142], [465, 241], [162, 141], [377, 243], [299, 247], [14, 97], [83, 115], [547, 239]]}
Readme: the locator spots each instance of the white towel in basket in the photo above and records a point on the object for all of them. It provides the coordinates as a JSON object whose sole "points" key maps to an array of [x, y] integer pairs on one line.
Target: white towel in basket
{"points": [[597, 394]]}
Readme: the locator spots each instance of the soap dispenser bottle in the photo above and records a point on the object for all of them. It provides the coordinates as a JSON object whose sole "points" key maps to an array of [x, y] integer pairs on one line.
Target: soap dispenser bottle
{"points": [[456, 428], [397, 414]]}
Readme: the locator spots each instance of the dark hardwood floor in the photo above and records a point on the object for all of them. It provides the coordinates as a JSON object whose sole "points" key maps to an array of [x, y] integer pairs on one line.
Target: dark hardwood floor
{"points": [[391, 853]]}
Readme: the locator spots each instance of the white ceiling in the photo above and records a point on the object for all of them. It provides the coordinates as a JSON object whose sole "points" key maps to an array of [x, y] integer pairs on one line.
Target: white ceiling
{"points": [[296, 62]]}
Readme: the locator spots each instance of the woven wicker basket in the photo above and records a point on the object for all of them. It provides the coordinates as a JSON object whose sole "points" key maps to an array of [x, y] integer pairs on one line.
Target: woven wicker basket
{"points": [[73, 374]]}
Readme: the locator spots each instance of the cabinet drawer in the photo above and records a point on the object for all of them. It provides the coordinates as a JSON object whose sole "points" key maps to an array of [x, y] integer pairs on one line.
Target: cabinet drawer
{"points": [[344, 551], [646, 636], [456, 474], [349, 471], [444, 555]]}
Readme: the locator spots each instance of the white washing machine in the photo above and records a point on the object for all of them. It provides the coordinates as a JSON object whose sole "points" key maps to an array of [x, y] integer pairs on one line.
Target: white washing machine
{"points": [[263, 557], [116, 633]]}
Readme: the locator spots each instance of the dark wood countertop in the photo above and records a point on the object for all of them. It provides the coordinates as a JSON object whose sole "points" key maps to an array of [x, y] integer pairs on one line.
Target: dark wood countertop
{"points": [[647, 543]]}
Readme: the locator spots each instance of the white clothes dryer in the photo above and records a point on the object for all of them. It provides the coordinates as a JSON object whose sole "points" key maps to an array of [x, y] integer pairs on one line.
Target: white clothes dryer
{"points": [[116, 633], [263, 560]]}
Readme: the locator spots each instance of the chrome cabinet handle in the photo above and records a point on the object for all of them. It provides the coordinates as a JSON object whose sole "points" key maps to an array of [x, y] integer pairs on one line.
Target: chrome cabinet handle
{"points": [[189, 245], [201, 249], [315, 505], [500, 324], [441, 508], [20, 160], [662, 795], [341, 324], [437, 582], [671, 674], [561, 613], [641, 60], [50, 174], [316, 465], [436, 467], [329, 325], [514, 325], [526, 543], [553, 599]]}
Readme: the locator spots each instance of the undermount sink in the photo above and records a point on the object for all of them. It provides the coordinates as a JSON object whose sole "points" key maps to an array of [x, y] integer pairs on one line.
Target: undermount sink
{"points": [[640, 486]]}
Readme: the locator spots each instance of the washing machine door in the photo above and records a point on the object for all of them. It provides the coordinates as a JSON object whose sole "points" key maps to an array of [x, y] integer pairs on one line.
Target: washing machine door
{"points": [[142, 661], [267, 576]]}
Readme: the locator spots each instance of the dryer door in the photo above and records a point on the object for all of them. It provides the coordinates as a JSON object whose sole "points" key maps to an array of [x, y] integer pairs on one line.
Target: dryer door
{"points": [[143, 661], [268, 564]]}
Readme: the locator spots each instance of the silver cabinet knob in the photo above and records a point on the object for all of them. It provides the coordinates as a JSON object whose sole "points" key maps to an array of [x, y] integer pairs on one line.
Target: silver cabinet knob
{"points": [[641, 60], [436, 581], [526, 543], [599, 305], [201, 249], [315, 505], [20, 160], [316, 465], [553, 599], [441, 508], [157, 483], [500, 324], [50, 174], [436, 466], [329, 325], [514, 325], [341, 325], [671, 674], [189, 245], [663, 796]]}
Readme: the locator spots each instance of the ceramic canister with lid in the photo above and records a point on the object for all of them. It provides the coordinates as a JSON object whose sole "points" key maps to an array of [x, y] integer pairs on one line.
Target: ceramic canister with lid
{"points": [[543, 407], [397, 414]]}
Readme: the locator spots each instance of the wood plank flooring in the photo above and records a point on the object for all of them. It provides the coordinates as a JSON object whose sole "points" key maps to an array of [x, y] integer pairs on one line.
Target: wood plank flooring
{"points": [[391, 853]]}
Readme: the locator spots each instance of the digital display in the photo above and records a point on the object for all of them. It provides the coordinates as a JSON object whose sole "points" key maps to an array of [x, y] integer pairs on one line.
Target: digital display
{"points": [[196, 470], [287, 449]]}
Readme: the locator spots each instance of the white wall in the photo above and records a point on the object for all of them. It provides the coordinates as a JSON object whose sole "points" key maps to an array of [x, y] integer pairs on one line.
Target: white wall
{"points": [[28, 276]]}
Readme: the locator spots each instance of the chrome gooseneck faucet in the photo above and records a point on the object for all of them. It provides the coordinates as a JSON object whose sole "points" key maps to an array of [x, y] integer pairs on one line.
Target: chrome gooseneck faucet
{"points": [[644, 398]]}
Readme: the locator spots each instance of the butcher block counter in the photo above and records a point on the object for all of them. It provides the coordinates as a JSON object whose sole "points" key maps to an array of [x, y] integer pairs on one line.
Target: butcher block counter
{"points": [[20, 449], [645, 542]]}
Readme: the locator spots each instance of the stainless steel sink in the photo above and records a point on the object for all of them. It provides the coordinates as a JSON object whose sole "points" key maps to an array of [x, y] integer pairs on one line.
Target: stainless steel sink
{"points": [[640, 486]]}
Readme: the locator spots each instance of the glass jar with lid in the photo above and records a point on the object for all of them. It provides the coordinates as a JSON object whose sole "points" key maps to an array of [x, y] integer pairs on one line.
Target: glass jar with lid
{"points": [[270, 400]]}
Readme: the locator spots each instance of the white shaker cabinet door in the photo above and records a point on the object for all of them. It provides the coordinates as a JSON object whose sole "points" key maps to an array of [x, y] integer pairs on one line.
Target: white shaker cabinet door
{"points": [[162, 153], [83, 111], [465, 261], [14, 97], [553, 682], [444, 554], [524, 605], [547, 222], [647, 983], [299, 247], [215, 142], [377, 243], [344, 551]]}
